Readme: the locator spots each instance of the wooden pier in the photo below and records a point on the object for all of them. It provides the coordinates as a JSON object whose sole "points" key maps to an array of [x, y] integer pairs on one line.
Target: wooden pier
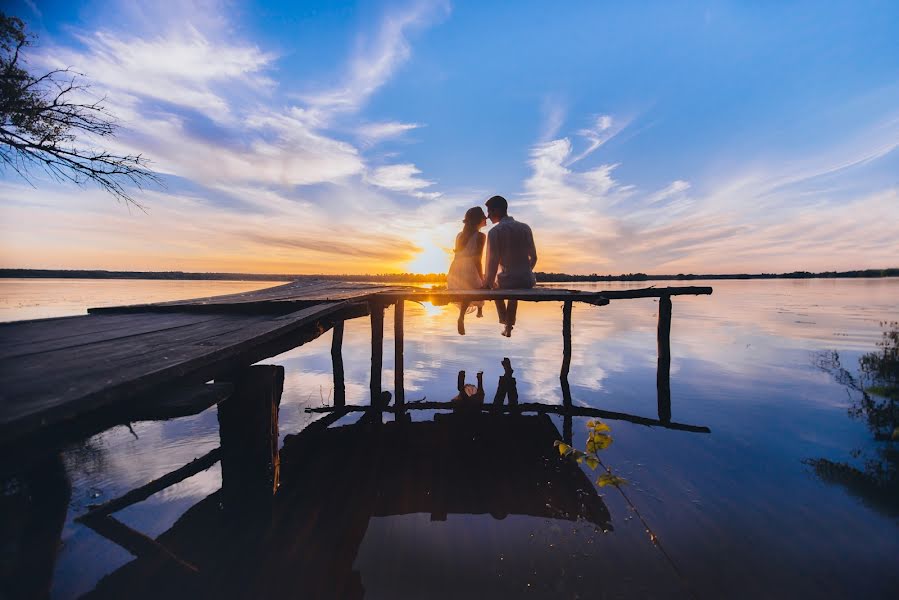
{"points": [[74, 376], [64, 379]]}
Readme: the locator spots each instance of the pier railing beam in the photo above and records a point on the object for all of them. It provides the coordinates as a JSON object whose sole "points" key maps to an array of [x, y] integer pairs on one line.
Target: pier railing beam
{"points": [[398, 340], [248, 428], [663, 374], [337, 364]]}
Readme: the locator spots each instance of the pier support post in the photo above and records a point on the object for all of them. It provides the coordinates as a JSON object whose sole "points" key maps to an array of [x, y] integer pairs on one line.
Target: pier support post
{"points": [[377, 351], [248, 428], [566, 339], [337, 364], [566, 366], [398, 340], [33, 512], [663, 374]]}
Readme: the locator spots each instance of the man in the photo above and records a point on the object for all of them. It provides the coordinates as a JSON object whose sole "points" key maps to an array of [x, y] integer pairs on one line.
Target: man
{"points": [[511, 257]]}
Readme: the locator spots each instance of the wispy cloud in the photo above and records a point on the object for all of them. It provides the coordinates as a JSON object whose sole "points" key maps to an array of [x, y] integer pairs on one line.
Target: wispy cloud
{"points": [[401, 178], [377, 58], [737, 224], [601, 130], [181, 66], [372, 133]]}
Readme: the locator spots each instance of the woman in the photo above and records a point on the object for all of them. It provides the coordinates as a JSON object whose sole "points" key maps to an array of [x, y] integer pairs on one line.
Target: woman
{"points": [[467, 270]]}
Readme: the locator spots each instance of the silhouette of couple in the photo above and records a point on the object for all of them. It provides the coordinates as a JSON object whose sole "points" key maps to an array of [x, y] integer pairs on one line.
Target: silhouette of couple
{"points": [[511, 257]]}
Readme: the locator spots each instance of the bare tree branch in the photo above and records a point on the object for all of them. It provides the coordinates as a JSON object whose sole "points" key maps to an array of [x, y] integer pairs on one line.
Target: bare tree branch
{"points": [[45, 126]]}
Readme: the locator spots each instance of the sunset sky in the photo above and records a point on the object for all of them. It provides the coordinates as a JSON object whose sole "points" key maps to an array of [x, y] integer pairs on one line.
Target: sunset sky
{"points": [[334, 137]]}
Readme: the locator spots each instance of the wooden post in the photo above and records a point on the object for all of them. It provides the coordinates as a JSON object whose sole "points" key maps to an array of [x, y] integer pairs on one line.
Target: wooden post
{"points": [[398, 341], [33, 506], [566, 365], [663, 374], [248, 428], [566, 339], [337, 363], [377, 351]]}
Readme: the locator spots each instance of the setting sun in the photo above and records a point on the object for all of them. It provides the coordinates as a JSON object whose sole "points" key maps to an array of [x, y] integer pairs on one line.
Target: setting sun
{"points": [[433, 258]]}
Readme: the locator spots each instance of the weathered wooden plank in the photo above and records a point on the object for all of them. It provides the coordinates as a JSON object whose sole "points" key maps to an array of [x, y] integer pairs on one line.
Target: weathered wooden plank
{"points": [[279, 299], [21, 338], [45, 388], [537, 294]]}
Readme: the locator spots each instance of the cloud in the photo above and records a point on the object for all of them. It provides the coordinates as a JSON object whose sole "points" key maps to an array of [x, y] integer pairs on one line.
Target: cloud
{"points": [[777, 216], [181, 66], [603, 128], [401, 178], [372, 133], [376, 60], [553, 117], [676, 187]]}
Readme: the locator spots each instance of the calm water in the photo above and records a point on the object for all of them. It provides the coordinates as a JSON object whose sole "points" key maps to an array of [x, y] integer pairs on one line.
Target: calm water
{"points": [[749, 510]]}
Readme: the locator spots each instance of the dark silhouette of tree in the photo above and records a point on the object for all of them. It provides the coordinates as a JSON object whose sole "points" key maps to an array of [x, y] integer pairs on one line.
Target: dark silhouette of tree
{"points": [[49, 122], [876, 401]]}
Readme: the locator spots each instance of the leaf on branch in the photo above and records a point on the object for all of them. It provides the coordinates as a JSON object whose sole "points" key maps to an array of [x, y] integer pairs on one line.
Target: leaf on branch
{"points": [[610, 479]]}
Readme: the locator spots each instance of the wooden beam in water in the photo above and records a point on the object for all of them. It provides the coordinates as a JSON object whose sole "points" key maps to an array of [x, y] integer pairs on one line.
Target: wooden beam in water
{"points": [[398, 342], [337, 364], [663, 374], [157, 485], [575, 411], [135, 542], [248, 428]]}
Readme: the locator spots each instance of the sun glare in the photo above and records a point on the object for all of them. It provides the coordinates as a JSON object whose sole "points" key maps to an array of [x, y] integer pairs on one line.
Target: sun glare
{"points": [[431, 310], [432, 258]]}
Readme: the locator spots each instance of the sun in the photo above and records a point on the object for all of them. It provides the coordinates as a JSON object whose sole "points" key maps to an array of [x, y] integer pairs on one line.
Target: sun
{"points": [[432, 258]]}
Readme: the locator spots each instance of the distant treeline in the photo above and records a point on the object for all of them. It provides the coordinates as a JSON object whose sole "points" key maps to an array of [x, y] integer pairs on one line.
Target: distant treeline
{"points": [[550, 277], [182, 275], [422, 278]]}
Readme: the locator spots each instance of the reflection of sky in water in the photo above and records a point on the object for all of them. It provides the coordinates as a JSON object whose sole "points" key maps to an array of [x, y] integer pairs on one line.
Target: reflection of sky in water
{"points": [[736, 509]]}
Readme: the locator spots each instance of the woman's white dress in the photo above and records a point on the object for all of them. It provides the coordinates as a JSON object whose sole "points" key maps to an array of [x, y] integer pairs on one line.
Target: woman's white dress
{"points": [[463, 272]]}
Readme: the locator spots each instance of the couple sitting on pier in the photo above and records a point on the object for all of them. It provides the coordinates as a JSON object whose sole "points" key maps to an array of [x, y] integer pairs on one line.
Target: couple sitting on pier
{"points": [[511, 257]]}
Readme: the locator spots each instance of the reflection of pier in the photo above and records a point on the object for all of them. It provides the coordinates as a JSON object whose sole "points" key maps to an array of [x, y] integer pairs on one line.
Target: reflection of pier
{"points": [[304, 539], [66, 379]]}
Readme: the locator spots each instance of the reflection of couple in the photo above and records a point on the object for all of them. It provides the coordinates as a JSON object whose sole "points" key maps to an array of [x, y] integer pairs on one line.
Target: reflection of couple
{"points": [[511, 257]]}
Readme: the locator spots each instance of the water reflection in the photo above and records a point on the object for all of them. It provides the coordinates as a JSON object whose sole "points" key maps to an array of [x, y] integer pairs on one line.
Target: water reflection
{"points": [[737, 510], [873, 394], [334, 480]]}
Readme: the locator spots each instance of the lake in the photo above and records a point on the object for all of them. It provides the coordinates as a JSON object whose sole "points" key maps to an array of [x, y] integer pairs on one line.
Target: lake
{"points": [[792, 493]]}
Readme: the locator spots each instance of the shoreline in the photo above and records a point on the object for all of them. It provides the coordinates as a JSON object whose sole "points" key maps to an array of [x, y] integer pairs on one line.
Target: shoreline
{"points": [[423, 278]]}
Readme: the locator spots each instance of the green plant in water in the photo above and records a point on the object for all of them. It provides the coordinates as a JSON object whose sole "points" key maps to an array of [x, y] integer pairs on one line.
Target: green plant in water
{"points": [[599, 437]]}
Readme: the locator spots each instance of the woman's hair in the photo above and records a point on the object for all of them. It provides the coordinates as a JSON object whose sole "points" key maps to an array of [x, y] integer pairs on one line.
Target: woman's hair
{"points": [[473, 217]]}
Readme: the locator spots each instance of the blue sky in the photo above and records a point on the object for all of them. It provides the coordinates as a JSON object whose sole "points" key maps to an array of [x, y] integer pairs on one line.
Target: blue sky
{"points": [[342, 137]]}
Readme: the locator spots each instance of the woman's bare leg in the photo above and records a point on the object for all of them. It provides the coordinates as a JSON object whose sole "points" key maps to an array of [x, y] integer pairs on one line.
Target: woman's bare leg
{"points": [[460, 324]]}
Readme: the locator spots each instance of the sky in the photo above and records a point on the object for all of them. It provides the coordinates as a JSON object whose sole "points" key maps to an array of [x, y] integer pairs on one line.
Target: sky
{"points": [[336, 137]]}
